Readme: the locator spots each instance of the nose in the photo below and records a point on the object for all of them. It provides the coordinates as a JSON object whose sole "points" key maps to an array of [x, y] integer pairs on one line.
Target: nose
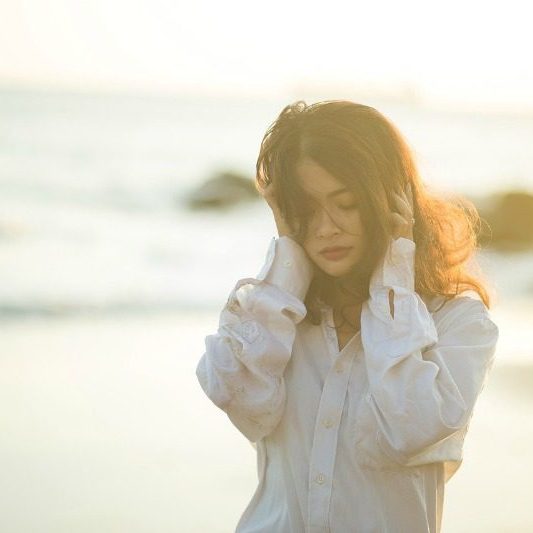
{"points": [[324, 225]]}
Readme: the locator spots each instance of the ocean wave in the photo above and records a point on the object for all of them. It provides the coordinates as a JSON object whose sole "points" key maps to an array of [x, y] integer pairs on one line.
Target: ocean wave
{"points": [[117, 309]]}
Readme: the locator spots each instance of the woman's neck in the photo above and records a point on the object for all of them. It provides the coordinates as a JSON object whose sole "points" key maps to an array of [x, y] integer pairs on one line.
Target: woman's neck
{"points": [[347, 318], [339, 294], [343, 299]]}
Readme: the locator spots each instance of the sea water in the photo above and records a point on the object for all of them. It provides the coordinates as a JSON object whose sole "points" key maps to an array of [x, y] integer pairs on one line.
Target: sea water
{"points": [[93, 216]]}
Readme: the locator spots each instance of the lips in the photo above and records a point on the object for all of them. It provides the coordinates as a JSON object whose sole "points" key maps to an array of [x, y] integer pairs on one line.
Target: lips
{"points": [[335, 253], [333, 249]]}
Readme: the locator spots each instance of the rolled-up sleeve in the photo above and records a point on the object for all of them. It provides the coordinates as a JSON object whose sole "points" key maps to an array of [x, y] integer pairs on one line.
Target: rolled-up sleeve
{"points": [[423, 383], [242, 368]]}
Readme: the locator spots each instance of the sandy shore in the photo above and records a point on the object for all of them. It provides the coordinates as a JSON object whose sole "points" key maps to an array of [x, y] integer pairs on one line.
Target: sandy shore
{"points": [[105, 428]]}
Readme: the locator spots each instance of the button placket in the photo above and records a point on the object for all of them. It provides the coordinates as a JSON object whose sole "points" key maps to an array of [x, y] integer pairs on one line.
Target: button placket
{"points": [[328, 422], [323, 450], [320, 478]]}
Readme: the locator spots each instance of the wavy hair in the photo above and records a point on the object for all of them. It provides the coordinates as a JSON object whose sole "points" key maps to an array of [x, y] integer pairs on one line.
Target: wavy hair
{"points": [[366, 152]]}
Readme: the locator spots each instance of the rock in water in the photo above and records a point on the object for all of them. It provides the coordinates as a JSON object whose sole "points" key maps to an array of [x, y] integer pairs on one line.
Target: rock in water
{"points": [[511, 221], [223, 190]]}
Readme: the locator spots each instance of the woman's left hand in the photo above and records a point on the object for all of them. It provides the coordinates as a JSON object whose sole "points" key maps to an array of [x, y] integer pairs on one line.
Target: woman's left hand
{"points": [[402, 220]]}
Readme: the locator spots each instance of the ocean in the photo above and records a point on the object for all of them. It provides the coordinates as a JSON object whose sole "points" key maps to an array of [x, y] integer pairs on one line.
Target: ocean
{"points": [[93, 186]]}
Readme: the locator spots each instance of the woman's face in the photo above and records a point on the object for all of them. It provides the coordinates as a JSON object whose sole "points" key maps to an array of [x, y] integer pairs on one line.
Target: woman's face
{"points": [[334, 220]]}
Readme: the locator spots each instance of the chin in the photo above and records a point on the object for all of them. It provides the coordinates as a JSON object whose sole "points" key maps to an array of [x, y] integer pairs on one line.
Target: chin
{"points": [[335, 271], [338, 274]]}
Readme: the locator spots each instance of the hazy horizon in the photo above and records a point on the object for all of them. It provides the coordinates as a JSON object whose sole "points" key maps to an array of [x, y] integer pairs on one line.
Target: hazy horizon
{"points": [[408, 52]]}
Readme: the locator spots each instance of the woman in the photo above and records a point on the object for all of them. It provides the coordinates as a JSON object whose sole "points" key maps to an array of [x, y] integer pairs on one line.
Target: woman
{"points": [[354, 359]]}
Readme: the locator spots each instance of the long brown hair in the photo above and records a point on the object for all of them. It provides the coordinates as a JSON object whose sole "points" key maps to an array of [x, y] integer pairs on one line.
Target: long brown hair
{"points": [[366, 152]]}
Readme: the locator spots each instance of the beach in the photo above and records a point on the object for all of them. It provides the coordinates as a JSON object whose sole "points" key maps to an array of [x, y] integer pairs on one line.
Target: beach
{"points": [[105, 428]]}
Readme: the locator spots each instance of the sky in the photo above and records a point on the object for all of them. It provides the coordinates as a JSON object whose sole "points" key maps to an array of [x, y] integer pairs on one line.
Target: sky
{"points": [[470, 53]]}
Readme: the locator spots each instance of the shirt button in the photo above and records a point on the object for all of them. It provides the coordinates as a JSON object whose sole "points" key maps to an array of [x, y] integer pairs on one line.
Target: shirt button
{"points": [[338, 369], [287, 263], [320, 479], [328, 422]]}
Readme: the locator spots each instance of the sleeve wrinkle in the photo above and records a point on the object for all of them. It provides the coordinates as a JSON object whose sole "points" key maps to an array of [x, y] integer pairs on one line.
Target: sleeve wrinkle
{"points": [[242, 369], [423, 383]]}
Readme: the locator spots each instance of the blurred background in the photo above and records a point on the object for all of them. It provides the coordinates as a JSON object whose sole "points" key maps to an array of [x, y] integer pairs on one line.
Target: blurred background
{"points": [[129, 133]]}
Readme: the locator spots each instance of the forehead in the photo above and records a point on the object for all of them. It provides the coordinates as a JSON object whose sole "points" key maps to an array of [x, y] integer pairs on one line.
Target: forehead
{"points": [[317, 181]]}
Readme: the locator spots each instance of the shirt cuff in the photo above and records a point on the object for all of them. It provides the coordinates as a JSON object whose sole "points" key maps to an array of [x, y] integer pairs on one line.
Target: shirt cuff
{"points": [[287, 266], [398, 266]]}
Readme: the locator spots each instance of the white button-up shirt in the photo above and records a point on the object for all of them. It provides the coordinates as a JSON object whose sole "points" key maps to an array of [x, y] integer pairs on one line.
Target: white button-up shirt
{"points": [[357, 440]]}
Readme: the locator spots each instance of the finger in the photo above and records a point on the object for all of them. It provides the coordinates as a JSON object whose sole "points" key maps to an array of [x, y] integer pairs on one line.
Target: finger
{"points": [[405, 191], [269, 191], [403, 206], [399, 226], [398, 219], [410, 196]]}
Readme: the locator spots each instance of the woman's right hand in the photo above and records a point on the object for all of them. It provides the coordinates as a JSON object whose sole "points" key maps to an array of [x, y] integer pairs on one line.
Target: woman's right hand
{"points": [[281, 223]]}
